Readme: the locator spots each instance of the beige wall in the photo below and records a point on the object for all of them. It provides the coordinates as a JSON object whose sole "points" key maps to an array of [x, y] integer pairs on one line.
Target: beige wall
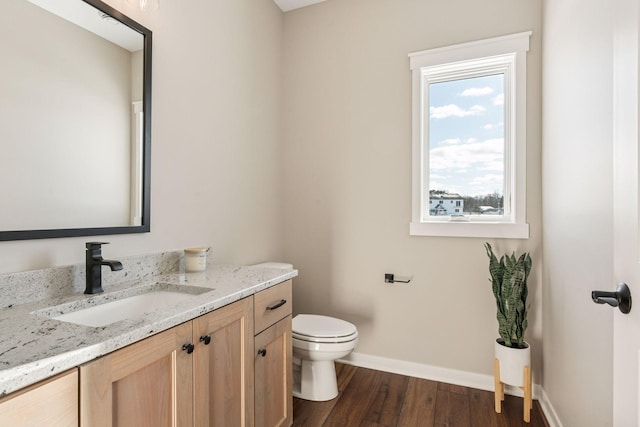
{"points": [[578, 216], [347, 181], [215, 150]]}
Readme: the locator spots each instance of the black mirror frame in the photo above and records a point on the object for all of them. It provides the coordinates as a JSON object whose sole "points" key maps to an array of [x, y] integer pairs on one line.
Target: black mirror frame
{"points": [[145, 227]]}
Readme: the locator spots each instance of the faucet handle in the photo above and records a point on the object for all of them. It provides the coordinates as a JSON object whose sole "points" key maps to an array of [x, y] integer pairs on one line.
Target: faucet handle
{"points": [[95, 245]]}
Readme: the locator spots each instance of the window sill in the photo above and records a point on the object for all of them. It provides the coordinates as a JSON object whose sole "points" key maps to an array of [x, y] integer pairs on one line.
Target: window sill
{"points": [[496, 230]]}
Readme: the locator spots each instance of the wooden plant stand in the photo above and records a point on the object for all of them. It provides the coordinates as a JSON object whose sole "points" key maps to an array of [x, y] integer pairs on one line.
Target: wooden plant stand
{"points": [[499, 387]]}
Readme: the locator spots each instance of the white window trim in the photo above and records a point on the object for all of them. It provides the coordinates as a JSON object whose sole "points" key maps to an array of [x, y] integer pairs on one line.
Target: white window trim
{"points": [[513, 225]]}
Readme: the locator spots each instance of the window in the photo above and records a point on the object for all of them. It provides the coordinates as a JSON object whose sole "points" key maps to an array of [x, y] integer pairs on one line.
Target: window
{"points": [[469, 139]]}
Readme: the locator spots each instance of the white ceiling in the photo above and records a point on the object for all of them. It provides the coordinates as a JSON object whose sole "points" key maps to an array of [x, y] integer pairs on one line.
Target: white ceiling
{"points": [[91, 19], [287, 5]]}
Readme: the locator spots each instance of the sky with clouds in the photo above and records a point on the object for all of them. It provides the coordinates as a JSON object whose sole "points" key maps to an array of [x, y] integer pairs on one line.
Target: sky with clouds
{"points": [[466, 136]]}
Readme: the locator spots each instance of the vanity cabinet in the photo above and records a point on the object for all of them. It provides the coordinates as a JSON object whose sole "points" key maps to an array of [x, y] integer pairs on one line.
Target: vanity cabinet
{"points": [[197, 373], [148, 383], [229, 367], [52, 403], [273, 365]]}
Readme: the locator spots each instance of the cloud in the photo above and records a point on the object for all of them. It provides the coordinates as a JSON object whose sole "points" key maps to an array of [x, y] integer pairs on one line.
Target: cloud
{"points": [[452, 110], [485, 155], [494, 165], [488, 181], [477, 91], [499, 99], [491, 126], [436, 176]]}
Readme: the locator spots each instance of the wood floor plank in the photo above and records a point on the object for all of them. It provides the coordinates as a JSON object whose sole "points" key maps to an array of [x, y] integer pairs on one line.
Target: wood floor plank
{"points": [[513, 412], [369, 398], [482, 409], [350, 410], [452, 388], [452, 409], [344, 373], [537, 415], [419, 404], [387, 400], [512, 407], [311, 414]]}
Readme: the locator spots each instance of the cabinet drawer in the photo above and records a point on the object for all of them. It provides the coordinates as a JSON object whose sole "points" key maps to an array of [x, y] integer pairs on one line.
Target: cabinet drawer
{"points": [[272, 305]]}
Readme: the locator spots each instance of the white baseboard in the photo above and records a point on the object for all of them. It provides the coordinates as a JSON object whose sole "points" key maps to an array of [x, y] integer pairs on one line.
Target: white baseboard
{"points": [[449, 376], [547, 408]]}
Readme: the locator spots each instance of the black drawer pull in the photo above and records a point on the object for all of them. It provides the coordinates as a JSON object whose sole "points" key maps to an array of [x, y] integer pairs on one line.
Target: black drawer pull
{"points": [[206, 339], [277, 305], [188, 348], [262, 352]]}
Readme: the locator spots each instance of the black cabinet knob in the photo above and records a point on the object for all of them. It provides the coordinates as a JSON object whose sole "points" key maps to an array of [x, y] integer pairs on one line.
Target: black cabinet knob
{"points": [[188, 348], [262, 352], [206, 339]]}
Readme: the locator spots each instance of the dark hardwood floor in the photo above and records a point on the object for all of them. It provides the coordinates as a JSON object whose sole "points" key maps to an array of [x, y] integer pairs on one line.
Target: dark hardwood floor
{"points": [[369, 398]]}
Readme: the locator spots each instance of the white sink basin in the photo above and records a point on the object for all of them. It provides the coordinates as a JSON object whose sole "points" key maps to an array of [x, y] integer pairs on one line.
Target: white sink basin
{"points": [[104, 310]]}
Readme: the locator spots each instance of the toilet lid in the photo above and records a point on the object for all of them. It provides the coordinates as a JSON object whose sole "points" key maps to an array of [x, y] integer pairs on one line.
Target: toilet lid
{"points": [[313, 325]]}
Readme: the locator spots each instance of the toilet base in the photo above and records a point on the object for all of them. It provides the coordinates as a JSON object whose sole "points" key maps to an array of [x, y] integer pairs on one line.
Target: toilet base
{"points": [[315, 380]]}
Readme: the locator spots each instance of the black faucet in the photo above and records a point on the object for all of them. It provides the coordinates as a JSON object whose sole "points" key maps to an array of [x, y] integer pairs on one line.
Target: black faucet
{"points": [[94, 267]]}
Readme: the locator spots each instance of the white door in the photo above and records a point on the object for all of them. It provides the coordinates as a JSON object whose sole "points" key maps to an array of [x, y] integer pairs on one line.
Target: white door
{"points": [[626, 327]]}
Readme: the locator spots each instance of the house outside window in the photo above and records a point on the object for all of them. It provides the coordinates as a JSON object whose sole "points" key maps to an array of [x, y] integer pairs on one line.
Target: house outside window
{"points": [[469, 131], [444, 204]]}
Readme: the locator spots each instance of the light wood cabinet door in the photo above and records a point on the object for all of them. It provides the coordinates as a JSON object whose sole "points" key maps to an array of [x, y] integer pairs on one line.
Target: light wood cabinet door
{"points": [[223, 366], [273, 376], [148, 383], [51, 403]]}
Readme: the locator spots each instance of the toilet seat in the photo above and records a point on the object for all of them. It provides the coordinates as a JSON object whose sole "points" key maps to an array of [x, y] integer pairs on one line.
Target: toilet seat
{"points": [[322, 329], [335, 340]]}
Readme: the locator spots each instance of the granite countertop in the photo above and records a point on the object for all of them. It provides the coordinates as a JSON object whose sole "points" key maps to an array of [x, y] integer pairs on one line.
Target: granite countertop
{"points": [[34, 347]]}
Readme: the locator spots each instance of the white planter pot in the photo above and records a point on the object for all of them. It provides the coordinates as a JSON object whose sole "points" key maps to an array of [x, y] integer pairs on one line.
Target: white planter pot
{"points": [[512, 362]]}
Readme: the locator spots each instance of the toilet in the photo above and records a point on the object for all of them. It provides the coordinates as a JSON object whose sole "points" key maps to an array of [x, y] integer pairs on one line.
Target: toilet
{"points": [[317, 342]]}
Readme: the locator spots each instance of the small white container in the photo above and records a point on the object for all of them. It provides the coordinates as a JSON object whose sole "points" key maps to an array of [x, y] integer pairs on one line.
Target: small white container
{"points": [[195, 259]]}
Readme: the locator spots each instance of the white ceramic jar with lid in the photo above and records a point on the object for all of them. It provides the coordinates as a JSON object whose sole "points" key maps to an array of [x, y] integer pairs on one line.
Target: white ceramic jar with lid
{"points": [[195, 259]]}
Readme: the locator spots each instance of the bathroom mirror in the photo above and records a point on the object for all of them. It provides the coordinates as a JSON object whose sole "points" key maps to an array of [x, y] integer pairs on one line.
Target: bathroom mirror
{"points": [[75, 120]]}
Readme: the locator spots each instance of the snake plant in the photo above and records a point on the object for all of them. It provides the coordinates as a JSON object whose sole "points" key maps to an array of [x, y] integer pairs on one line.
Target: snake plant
{"points": [[509, 283]]}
